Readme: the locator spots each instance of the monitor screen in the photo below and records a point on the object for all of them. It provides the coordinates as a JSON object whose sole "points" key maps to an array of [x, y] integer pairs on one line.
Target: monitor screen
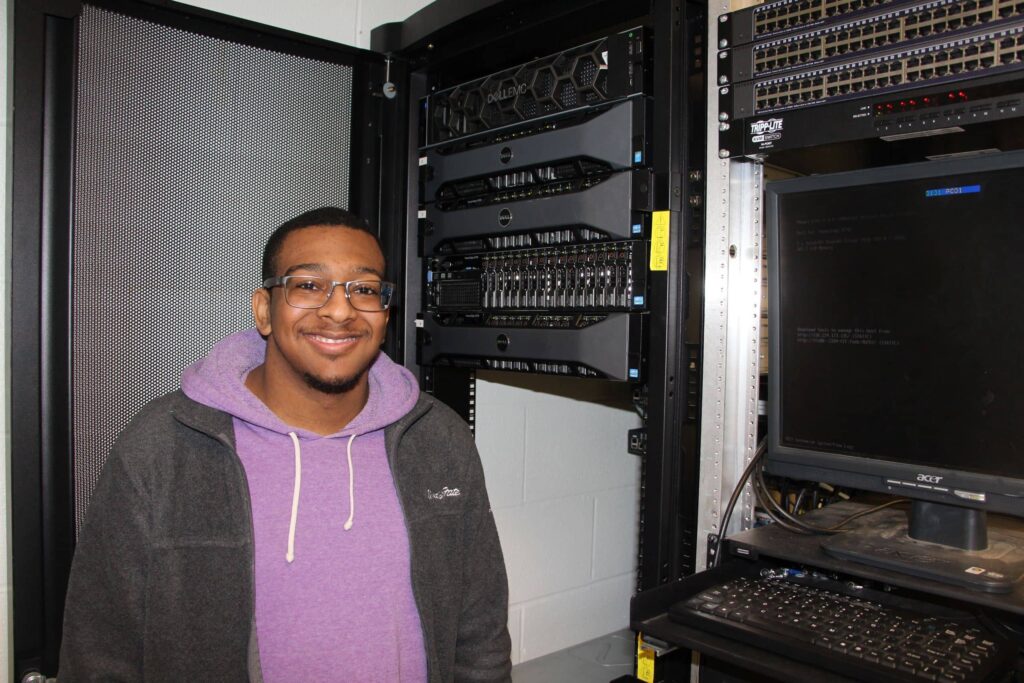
{"points": [[896, 317]]}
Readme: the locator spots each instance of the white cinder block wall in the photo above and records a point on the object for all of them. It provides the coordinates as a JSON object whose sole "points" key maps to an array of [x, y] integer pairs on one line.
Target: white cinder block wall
{"points": [[565, 497], [562, 486]]}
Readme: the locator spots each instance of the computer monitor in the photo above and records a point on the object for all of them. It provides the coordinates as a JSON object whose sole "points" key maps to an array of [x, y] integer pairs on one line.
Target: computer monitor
{"points": [[896, 318]]}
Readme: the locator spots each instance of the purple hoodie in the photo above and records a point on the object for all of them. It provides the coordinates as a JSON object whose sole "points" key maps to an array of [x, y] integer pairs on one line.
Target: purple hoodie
{"points": [[333, 589]]}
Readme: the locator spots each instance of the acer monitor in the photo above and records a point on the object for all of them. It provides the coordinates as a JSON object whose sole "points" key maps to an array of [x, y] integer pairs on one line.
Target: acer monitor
{"points": [[896, 331]]}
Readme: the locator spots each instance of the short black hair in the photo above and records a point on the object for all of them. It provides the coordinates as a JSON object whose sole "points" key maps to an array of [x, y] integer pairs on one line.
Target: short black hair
{"points": [[325, 215]]}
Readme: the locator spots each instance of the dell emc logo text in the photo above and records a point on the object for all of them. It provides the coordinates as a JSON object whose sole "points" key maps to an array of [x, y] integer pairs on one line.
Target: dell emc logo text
{"points": [[505, 93]]}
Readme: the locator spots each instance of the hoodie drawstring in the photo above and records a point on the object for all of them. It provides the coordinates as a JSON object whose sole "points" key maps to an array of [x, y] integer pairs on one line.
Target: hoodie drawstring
{"points": [[351, 486], [290, 555]]}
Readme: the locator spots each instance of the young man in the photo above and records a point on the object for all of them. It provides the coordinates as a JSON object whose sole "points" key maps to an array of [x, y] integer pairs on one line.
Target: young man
{"points": [[299, 510]]}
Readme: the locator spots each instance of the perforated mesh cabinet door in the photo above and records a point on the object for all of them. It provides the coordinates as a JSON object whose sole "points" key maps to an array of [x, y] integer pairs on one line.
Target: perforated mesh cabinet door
{"points": [[190, 150]]}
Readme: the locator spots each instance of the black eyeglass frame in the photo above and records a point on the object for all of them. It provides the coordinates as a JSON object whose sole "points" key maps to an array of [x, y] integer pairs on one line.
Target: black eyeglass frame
{"points": [[387, 290]]}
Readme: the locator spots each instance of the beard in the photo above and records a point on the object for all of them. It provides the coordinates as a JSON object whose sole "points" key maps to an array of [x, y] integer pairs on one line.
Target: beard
{"points": [[333, 386]]}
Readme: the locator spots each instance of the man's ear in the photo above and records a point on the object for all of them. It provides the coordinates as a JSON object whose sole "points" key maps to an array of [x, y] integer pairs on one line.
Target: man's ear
{"points": [[261, 310]]}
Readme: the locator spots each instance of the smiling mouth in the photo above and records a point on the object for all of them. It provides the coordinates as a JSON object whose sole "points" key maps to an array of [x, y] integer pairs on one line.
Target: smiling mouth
{"points": [[334, 341]]}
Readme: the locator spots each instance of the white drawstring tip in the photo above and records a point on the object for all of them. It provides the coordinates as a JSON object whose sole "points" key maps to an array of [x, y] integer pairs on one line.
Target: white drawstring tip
{"points": [[290, 557], [348, 525]]}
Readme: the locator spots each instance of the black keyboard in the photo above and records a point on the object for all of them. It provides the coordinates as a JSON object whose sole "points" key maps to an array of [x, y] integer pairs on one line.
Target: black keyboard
{"points": [[858, 637]]}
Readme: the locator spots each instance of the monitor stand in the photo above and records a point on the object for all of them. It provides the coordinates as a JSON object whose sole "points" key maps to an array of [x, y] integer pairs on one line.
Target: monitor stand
{"points": [[944, 543]]}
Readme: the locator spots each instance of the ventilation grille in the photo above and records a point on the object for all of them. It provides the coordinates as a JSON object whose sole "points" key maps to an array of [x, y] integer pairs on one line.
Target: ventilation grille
{"points": [[190, 150]]}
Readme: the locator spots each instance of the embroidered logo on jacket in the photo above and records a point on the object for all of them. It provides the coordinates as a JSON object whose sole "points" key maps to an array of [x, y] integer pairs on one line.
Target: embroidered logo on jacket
{"points": [[443, 493]]}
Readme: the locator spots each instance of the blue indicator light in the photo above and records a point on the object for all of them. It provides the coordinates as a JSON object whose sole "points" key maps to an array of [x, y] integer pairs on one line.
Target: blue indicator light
{"points": [[637, 228], [638, 301], [634, 373], [430, 276], [948, 191], [638, 157]]}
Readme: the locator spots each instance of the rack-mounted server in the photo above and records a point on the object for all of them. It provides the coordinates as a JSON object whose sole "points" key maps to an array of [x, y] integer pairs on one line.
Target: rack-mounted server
{"points": [[600, 71], [607, 276], [601, 140], [588, 208], [606, 346]]}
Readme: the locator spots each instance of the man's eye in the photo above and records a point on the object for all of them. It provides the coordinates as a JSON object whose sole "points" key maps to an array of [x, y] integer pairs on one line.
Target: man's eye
{"points": [[308, 285], [366, 289]]}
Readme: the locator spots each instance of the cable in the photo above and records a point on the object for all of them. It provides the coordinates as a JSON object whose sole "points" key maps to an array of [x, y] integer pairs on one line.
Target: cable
{"points": [[761, 447]]}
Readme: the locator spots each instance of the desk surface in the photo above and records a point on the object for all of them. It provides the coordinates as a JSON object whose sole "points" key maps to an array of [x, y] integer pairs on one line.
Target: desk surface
{"points": [[777, 543], [774, 544]]}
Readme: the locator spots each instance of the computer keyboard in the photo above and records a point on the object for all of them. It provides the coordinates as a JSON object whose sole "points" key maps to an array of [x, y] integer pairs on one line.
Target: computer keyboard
{"points": [[860, 638]]}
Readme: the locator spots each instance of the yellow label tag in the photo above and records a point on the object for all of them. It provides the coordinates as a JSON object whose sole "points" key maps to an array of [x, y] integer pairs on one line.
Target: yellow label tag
{"points": [[644, 657], [659, 240]]}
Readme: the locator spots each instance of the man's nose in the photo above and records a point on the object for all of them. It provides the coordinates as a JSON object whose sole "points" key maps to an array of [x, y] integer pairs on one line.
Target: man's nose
{"points": [[338, 307]]}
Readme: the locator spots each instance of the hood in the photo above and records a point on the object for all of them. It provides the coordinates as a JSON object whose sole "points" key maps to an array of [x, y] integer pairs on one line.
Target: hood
{"points": [[218, 381]]}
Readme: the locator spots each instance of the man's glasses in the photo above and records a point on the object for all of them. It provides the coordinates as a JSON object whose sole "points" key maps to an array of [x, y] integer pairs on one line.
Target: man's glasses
{"points": [[310, 291]]}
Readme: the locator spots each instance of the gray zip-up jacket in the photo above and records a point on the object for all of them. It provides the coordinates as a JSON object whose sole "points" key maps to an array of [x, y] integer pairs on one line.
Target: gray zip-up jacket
{"points": [[161, 586]]}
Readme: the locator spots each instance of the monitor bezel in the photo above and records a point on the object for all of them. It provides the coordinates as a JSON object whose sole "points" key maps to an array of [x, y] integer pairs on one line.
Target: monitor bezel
{"points": [[962, 488]]}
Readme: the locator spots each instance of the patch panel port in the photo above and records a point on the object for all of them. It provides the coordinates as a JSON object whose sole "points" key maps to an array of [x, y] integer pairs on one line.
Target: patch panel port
{"points": [[913, 63], [971, 64], [869, 84], [882, 82], [939, 26], [831, 92], [927, 59], [911, 33], [927, 73], [987, 62], [971, 50], [984, 17], [844, 88], [943, 69], [953, 24], [895, 79], [912, 76]]}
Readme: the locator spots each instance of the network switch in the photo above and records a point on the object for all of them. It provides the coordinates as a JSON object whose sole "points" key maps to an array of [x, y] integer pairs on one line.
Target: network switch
{"points": [[865, 36], [774, 19], [971, 56]]}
